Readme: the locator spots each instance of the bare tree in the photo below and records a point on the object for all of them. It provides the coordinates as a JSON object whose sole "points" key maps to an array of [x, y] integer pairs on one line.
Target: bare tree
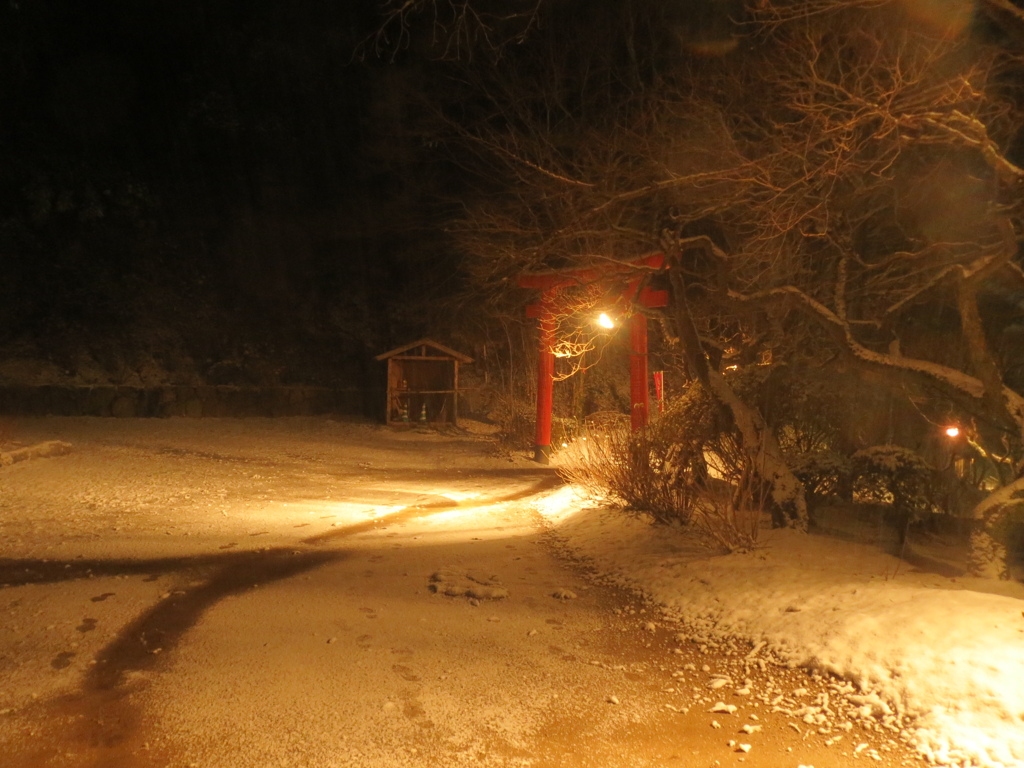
{"points": [[839, 179], [889, 194]]}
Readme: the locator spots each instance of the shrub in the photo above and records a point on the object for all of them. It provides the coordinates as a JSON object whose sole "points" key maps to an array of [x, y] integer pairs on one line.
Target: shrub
{"points": [[891, 474], [684, 468], [731, 514], [634, 469], [822, 472]]}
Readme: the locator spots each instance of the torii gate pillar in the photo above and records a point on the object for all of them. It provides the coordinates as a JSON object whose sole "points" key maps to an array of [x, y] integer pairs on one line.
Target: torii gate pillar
{"points": [[639, 393], [544, 310], [545, 378]]}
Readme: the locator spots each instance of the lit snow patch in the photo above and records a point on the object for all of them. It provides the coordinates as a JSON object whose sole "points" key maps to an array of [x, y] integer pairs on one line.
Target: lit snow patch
{"points": [[558, 505], [458, 496]]}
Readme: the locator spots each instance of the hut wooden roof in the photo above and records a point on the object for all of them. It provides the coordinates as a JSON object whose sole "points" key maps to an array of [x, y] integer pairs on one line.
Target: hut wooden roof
{"points": [[445, 351]]}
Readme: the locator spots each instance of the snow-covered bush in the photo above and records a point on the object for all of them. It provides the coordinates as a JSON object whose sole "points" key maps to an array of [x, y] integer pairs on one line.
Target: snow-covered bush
{"points": [[897, 476], [823, 472]]}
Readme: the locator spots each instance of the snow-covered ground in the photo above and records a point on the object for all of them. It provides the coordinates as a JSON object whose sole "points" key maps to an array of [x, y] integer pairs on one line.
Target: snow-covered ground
{"points": [[941, 658]]}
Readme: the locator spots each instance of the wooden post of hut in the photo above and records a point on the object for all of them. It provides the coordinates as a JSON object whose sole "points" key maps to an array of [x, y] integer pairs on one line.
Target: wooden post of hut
{"points": [[423, 383]]}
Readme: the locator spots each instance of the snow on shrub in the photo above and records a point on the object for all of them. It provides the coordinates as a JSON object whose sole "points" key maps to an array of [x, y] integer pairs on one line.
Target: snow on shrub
{"points": [[822, 472], [898, 476]]}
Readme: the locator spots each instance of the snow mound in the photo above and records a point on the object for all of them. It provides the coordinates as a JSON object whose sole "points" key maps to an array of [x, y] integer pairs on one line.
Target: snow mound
{"points": [[471, 584], [939, 659], [38, 451]]}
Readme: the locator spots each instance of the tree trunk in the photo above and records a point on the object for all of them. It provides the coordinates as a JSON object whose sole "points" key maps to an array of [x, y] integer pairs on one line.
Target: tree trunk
{"points": [[789, 503], [988, 555]]}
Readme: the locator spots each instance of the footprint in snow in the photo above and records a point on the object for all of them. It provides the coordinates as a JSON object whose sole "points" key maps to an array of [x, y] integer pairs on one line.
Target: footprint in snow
{"points": [[62, 660], [405, 673]]}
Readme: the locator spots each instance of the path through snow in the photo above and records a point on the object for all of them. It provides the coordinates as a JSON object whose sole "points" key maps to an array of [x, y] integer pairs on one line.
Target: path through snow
{"points": [[262, 592]]}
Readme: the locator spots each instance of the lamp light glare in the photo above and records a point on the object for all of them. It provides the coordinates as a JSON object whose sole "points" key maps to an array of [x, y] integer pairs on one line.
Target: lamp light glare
{"points": [[604, 321], [952, 431]]}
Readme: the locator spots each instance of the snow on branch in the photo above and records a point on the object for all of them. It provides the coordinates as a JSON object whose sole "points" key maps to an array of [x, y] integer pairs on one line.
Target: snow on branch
{"points": [[1006, 8], [704, 242], [973, 133], [1000, 255], [951, 377], [1012, 493]]}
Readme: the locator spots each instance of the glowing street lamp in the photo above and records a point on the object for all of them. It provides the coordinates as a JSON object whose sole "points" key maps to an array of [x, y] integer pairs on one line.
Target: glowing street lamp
{"points": [[605, 321], [952, 432]]}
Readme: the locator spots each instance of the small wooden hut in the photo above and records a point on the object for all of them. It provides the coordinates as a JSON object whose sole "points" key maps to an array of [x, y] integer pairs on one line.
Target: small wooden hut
{"points": [[423, 383]]}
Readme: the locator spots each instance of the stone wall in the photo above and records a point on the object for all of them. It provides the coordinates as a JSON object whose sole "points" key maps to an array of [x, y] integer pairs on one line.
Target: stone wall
{"points": [[190, 401]]}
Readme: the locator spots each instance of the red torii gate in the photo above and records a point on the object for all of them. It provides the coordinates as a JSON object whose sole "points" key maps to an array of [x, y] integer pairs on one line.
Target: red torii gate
{"points": [[549, 284]]}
